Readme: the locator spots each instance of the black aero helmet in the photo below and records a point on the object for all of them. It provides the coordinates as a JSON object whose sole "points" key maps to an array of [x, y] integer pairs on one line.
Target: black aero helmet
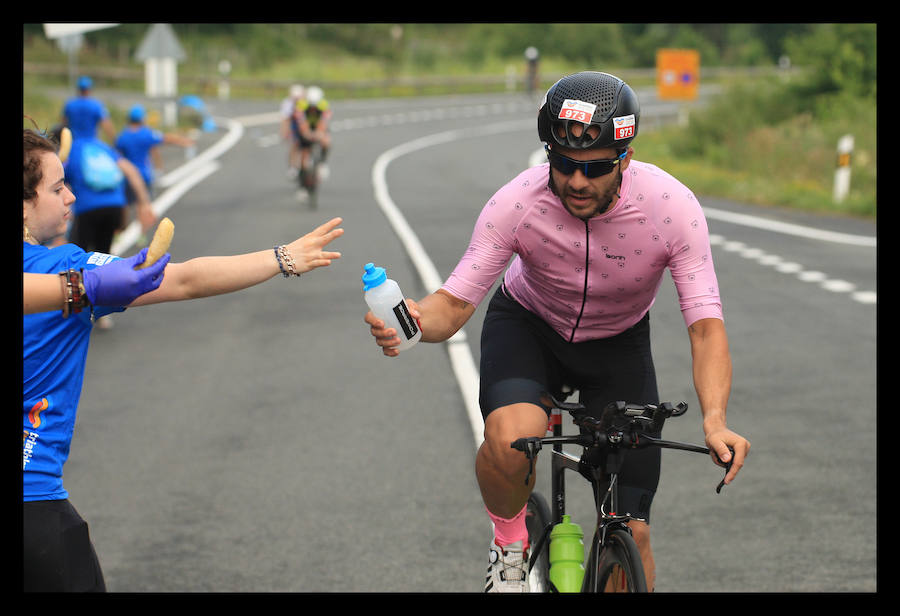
{"points": [[589, 98]]}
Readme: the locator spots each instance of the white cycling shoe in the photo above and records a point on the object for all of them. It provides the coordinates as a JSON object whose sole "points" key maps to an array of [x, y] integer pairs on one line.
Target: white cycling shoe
{"points": [[507, 569]]}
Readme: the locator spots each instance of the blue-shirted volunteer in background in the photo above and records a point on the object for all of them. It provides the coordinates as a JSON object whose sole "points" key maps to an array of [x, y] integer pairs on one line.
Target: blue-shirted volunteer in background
{"points": [[138, 143], [84, 113]]}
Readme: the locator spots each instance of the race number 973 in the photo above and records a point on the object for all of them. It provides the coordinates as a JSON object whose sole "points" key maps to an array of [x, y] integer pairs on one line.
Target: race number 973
{"points": [[577, 111], [575, 114], [623, 127]]}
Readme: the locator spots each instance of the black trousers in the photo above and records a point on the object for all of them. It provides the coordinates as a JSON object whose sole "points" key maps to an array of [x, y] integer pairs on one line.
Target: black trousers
{"points": [[93, 230], [58, 554]]}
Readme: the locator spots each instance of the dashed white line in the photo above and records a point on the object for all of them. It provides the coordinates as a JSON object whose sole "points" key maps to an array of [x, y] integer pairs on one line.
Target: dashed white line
{"points": [[790, 267]]}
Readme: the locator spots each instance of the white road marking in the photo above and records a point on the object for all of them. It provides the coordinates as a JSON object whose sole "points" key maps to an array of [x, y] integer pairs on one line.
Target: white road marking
{"points": [[789, 267], [457, 346]]}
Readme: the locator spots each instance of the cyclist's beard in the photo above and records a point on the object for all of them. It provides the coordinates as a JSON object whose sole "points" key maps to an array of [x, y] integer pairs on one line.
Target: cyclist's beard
{"points": [[603, 200]]}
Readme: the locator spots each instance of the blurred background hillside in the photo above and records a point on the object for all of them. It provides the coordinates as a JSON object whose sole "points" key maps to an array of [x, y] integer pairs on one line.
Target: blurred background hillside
{"points": [[789, 91]]}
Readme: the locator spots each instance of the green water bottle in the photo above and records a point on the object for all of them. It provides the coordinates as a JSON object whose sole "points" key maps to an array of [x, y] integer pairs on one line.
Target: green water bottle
{"points": [[566, 556]]}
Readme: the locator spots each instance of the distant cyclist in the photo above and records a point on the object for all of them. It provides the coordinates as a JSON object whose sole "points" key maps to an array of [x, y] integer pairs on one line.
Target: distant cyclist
{"points": [[290, 130], [313, 116], [591, 233]]}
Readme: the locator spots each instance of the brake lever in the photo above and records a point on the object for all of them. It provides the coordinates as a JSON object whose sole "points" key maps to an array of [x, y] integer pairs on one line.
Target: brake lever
{"points": [[530, 446], [727, 468]]}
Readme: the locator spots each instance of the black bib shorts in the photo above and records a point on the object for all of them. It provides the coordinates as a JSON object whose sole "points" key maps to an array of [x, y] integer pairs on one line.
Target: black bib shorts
{"points": [[522, 356]]}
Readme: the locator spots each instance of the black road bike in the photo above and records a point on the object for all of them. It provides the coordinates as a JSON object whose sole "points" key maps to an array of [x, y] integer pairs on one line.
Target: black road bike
{"points": [[309, 176], [613, 563]]}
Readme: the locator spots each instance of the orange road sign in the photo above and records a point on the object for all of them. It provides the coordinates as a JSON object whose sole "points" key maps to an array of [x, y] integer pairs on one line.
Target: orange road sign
{"points": [[677, 73]]}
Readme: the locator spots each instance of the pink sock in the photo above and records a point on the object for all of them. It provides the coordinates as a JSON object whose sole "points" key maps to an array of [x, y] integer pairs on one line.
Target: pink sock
{"points": [[510, 531]]}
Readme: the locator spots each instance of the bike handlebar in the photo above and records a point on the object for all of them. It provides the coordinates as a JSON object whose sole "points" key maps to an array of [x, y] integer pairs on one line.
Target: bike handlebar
{"points": [[620, 425]]}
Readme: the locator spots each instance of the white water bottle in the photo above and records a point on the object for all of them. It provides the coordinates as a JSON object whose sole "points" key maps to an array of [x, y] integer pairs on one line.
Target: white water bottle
{"points": [[386, 301]]}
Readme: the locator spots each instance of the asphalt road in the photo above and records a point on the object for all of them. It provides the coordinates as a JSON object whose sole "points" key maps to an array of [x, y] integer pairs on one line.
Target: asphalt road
{"points": [[260, 442]]}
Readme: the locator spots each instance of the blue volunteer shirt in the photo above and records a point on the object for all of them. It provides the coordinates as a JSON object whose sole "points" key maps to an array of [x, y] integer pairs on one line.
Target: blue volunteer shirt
{"points": [[84, 114], [53, 361], [135, 144]]}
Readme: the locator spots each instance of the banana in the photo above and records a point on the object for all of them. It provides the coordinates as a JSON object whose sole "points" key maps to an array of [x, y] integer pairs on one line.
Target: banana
{"points": [[160, 242], [65, 143]]}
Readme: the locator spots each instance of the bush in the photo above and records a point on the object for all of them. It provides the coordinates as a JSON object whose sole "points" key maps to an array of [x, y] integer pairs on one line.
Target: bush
{"points": [[757, 143]]}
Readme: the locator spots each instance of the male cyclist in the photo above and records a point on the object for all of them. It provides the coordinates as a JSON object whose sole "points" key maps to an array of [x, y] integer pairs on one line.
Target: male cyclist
{"points": [[591, 233], [313, 116], [290, 131]]}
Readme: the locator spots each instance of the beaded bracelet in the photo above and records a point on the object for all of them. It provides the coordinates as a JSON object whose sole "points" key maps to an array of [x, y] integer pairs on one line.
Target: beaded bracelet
{"points": [[285, 260], [76, 299]]}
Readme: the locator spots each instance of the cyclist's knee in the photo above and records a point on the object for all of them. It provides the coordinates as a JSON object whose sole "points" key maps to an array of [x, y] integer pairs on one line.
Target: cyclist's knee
{"points": [[506, 424]]}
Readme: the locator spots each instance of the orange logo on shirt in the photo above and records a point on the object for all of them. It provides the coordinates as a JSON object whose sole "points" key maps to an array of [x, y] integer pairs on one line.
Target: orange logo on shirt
{"points": [[34, 415]]}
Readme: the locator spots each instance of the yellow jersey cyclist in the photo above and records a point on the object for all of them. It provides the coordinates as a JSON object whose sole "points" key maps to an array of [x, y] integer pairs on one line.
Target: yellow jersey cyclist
{"points": [[289, 129], [313, 116]]}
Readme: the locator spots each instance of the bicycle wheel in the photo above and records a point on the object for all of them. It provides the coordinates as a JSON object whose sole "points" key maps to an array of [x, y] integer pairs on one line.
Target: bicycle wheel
{"points": [[618, 568], [537, 518], [313, 193]]}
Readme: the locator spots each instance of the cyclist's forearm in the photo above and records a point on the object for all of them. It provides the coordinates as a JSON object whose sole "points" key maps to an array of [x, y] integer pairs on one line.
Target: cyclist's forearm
{"points": [[712, 370], [442, 315]]}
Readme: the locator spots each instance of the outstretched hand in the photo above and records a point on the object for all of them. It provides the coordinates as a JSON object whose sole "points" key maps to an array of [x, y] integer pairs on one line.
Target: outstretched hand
{"points": [[309, 251]]}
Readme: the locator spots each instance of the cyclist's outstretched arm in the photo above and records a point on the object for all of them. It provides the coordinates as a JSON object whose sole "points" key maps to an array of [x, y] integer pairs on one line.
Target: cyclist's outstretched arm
{"points": [[712, 380], [440, 315]]}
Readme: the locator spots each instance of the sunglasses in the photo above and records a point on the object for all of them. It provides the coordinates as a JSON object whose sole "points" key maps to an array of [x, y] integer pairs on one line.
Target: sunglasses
{"points": [[590, 168]]}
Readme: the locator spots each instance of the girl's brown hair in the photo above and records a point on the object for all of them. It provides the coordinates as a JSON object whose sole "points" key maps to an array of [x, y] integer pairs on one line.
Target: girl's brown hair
{"points": [[35, 145]]}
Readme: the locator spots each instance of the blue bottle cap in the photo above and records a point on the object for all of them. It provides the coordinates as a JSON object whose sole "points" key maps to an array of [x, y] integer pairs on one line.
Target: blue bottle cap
{"points": [[373, 277]]}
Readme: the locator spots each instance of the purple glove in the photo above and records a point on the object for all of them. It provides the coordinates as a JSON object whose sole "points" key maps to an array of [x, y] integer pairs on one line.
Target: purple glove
{"points": [[119, 284]]}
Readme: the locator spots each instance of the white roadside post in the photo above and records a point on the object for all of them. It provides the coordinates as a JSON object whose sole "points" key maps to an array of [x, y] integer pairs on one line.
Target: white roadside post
{"points": [[160, 52], [842, 172]]}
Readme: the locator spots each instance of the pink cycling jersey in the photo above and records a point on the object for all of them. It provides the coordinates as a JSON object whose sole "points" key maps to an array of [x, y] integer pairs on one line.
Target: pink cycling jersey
{"points": [[596, 278]]}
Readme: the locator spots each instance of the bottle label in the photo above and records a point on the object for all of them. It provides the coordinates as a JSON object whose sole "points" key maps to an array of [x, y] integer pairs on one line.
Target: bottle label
{"points": [[407, 324]]}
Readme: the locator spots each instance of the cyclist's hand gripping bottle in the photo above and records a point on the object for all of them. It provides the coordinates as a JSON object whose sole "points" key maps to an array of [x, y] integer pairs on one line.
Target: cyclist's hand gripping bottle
{"points": [[566, 556], [386, 301]]}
